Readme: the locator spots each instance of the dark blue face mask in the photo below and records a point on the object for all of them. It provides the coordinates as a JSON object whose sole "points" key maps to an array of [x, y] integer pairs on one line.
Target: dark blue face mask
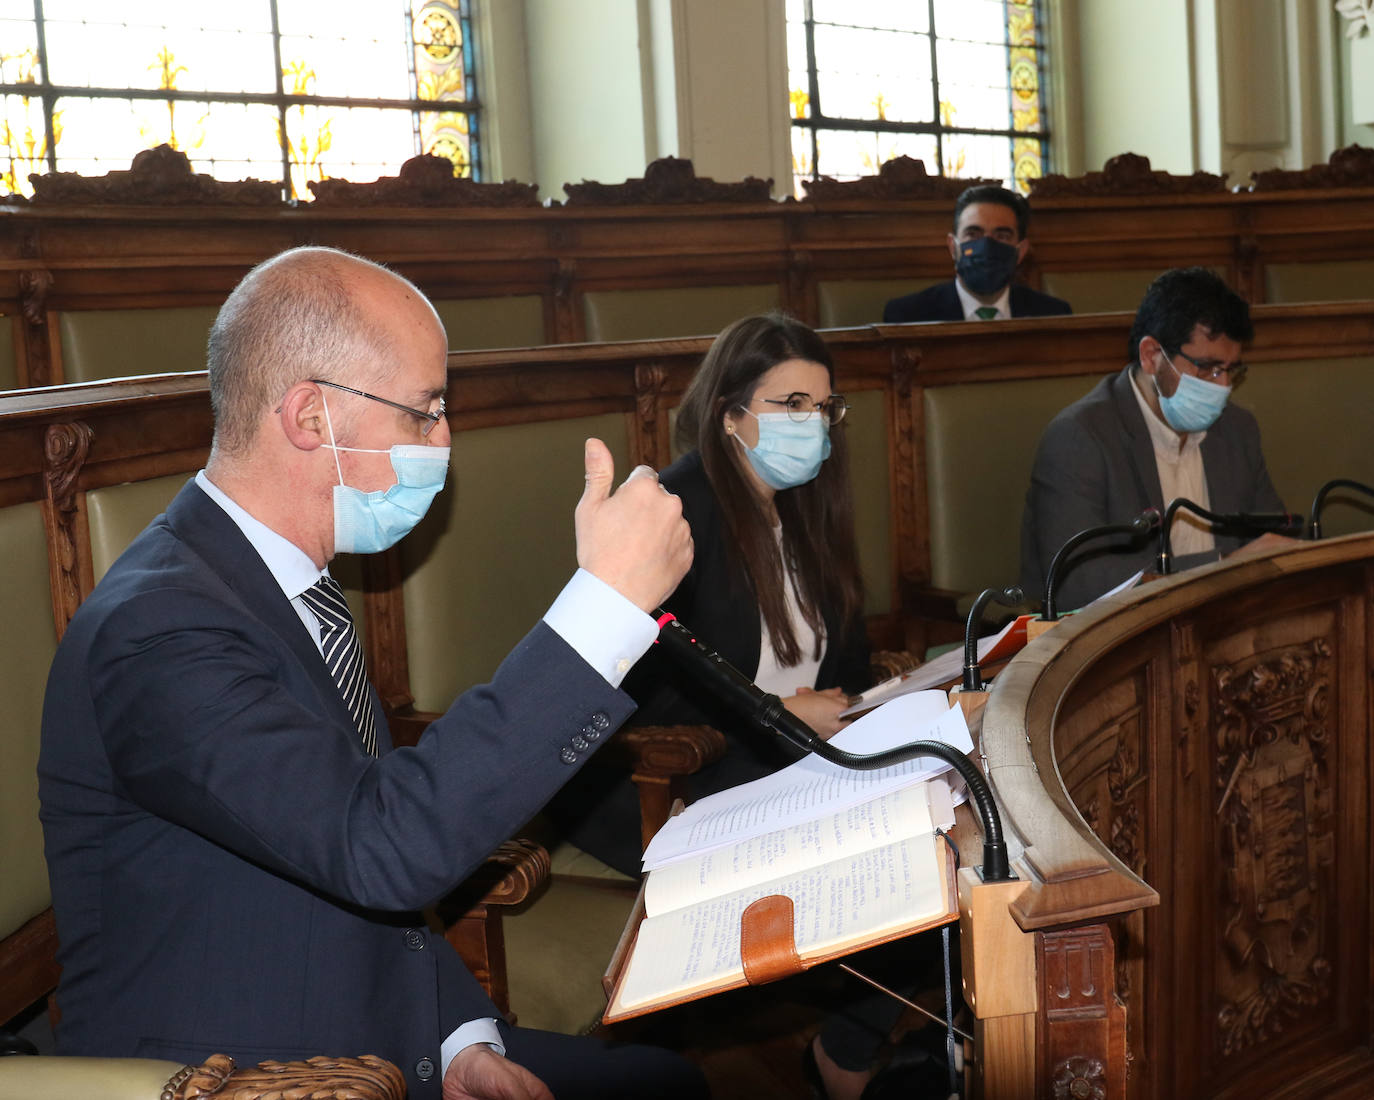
{"points": [[986, 264]]}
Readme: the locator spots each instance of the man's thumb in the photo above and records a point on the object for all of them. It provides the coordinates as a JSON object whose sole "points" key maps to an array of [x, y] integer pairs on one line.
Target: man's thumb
{"points": [[600, 471]]}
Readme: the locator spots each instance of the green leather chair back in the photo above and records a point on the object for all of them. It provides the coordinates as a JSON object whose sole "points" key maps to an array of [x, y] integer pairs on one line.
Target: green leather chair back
{"points": [[980, 443], [870, 475], [495, 548], [1328, 281], [475, 323], [1315, 425], [688, 311], [844, 303], [118, 513], [1100, 291], [117, 343], [9, 366], [30, 641], [60, 1077]]}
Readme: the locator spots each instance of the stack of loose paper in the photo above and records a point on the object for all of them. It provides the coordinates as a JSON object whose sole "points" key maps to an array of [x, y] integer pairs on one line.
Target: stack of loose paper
{"points": [[855, 851], [1007, 642]]}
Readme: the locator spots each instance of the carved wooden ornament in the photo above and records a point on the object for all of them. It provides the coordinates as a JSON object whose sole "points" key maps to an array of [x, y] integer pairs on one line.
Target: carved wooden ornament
{"points": [[1126, 174], [668, 180], [157, 177]]}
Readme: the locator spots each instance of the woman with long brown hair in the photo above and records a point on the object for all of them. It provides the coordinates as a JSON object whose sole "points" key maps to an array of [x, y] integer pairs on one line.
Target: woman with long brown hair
{"points": [[774, 585]]}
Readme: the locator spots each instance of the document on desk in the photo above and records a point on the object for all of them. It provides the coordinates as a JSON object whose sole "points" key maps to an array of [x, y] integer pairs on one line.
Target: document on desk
{"points": [[815, 788]]}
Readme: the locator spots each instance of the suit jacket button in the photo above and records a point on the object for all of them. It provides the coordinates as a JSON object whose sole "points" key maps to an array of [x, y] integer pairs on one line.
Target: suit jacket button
{"points": [[590, 732], [580, 743], [415, 939], [567, 755], [424, 1069], [600, 721]]}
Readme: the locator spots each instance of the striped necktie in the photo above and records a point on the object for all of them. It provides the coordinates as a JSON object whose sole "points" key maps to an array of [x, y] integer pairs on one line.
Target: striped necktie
{"points": [[343, 655]]}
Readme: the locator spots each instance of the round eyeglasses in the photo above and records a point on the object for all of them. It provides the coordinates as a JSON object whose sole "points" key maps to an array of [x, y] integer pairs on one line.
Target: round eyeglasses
{"points": [[1211, 371], [801, 408], [431, 418]]}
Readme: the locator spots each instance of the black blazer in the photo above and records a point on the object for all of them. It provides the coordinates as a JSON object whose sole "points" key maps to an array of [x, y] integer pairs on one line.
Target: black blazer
{"points": [[599, 810], [941, 303], [230, 871]]}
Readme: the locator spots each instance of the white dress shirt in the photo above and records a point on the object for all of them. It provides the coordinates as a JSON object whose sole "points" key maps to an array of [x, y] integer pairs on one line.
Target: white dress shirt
{"points": [[602, 626], [972, 305], [1181, 474]]}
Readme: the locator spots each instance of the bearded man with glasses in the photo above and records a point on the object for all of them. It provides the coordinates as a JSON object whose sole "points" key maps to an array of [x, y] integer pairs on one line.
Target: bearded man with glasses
{"points": [[1163, 427]]}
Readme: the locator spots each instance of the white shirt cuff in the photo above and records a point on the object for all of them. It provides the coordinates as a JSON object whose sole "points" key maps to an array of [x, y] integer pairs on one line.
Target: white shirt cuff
{"points": [[466, 1035], [607, 630]]}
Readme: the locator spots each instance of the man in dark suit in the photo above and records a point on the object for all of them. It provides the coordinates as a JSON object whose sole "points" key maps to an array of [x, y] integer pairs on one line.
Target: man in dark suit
{"points": [[988, 242], [1162, 427], [238, 856]]}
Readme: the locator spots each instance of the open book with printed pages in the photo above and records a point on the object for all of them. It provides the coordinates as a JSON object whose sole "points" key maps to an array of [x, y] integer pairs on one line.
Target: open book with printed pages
{"points": [[798, 868], [949, 666]]}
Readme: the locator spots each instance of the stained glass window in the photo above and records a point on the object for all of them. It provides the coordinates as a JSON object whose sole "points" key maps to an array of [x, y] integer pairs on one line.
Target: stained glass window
{"points": [[958, 84], [293, 90]]}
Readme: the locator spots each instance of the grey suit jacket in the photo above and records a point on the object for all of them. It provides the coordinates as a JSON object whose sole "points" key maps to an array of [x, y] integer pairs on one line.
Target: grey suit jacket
{"points": [[230, 871], [1096, 465]]}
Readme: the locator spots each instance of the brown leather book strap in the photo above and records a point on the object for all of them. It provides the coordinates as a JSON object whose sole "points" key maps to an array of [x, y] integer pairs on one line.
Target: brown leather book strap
{"points": [[767, 946]]}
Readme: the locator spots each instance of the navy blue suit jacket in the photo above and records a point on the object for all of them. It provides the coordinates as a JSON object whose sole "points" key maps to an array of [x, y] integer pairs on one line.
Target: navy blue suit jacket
{"points": [[230, 871], [941, 303]]}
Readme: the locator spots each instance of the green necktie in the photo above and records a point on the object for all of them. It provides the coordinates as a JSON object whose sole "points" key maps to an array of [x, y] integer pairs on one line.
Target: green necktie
{"points": [[985, 313]]}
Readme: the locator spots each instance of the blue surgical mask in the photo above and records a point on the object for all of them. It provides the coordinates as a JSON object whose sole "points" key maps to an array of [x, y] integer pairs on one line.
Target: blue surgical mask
{"points": [[366, 523], [789, 452], [1195, 405], [986, 264]]}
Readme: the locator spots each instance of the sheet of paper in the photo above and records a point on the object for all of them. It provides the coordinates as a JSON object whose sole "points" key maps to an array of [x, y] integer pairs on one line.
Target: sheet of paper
{"points": [[813, 786], [697, 947], [942, 669], [894, 816]]}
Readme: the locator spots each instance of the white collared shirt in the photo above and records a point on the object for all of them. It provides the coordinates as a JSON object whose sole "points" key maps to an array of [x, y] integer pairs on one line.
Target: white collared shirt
{"points": [[972, 305], [602, 626], [1181, 474]]}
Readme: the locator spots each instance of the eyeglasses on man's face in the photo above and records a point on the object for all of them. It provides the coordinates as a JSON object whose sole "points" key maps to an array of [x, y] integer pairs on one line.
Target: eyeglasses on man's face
{"points": [[431, 418], [800, 407], [1209, 370]]}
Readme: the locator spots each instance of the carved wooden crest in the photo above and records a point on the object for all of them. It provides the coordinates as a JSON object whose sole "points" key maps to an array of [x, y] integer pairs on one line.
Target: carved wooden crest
{"points": [[898, 178], [668, 180], [157, 177], [1126, 174], [1352, 166], [1271, 728], [424, 181]]}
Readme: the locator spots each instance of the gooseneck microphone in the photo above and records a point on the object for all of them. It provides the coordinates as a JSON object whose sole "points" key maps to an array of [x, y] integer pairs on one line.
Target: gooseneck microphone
{"points": [[721, 679], [1007, 597], [1257, 522], [1314, 530], [1142, 524]]}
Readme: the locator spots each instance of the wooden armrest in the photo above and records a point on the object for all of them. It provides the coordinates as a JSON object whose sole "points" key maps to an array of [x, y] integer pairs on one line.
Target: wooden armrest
{"points": [[887, 663], [364, 1078], [663, 752], [660, 758], [471, 914]]}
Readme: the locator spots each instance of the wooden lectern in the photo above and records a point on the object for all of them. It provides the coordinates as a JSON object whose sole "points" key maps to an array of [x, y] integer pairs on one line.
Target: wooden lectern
{"points": [[1186, 771]]}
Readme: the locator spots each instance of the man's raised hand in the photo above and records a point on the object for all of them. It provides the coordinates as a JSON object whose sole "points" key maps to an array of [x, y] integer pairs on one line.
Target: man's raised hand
{"points": [[634, 538]]}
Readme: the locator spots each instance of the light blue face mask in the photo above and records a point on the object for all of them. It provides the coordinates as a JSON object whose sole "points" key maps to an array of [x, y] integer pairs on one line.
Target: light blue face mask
{"points": [[789, 452], [1195, 405], [366, 523]]}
